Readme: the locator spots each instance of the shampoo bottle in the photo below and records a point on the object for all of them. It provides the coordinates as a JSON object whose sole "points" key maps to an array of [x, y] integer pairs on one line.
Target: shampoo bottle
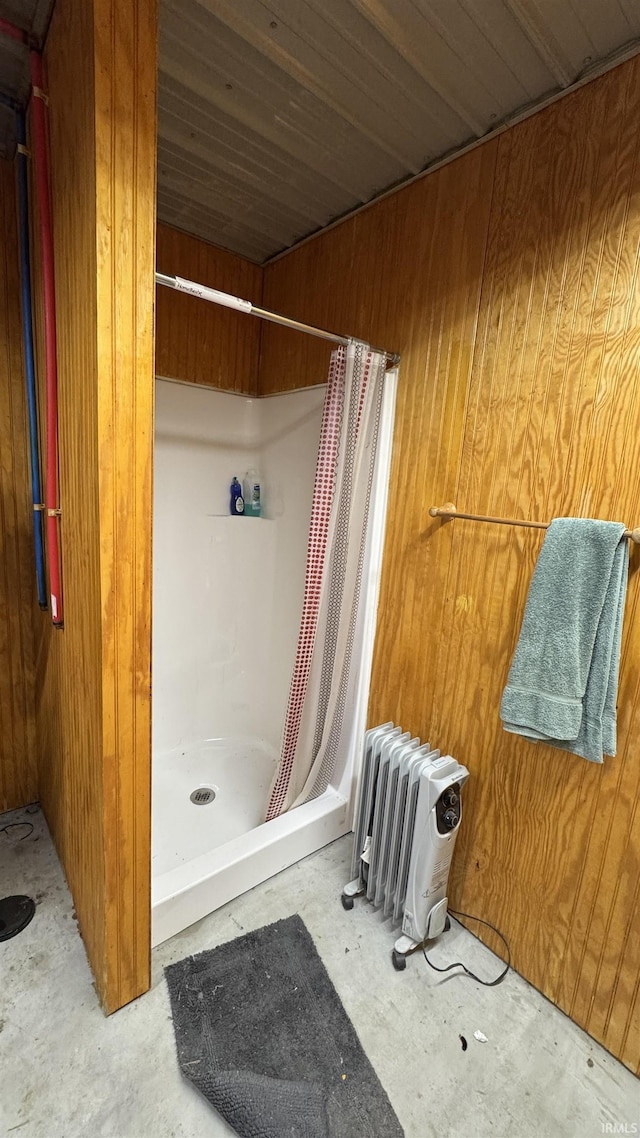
{"points": [[236, 505], [252, 493]]}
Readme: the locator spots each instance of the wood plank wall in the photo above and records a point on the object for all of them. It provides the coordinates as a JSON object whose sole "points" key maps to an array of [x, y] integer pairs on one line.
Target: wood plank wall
{"points": [[68, 704], [126, 140], [198, 341], [18, 783], [508, 280], [93, 678]]}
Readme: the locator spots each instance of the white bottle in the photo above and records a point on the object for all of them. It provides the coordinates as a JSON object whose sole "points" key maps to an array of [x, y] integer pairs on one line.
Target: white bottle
{"points": [[251, 487]]}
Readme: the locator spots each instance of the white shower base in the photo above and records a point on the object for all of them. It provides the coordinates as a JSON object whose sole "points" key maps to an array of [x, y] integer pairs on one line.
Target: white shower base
{"points": [[203, 856], [239, 771]]}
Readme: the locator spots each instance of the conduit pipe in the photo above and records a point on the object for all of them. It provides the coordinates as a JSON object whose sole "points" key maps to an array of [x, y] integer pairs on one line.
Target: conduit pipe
{"points": [[41, 165], [10, 30], [27, 333]]}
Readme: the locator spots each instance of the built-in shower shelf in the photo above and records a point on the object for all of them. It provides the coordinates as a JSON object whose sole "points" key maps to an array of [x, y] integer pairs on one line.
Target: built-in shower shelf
{"points": [[230, 518]]}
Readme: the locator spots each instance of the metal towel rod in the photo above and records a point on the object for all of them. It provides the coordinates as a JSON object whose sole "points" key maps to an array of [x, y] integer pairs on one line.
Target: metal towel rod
{"points": [[449, 511]]}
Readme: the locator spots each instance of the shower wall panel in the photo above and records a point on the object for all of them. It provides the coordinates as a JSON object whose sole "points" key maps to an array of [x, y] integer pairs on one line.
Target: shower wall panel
{"points": [[227, 590]]}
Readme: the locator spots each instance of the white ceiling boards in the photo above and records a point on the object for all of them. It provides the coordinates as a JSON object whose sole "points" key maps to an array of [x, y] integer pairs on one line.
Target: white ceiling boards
{"points": [[277, 116]]}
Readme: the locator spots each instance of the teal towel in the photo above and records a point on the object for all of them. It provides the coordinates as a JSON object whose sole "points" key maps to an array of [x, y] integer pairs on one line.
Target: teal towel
{"points": [[563, 682]]}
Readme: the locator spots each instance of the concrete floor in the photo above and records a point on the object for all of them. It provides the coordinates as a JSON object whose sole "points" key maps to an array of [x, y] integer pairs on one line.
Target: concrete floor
{"points": [[68, 1072]]}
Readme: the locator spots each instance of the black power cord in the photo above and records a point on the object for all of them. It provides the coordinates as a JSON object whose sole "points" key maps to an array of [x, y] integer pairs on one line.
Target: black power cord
{"points": [[12, 826], [459, 964]]}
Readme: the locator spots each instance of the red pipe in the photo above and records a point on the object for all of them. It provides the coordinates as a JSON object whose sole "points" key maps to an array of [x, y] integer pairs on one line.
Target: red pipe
{"points": [[11, 30], [41, 164]]}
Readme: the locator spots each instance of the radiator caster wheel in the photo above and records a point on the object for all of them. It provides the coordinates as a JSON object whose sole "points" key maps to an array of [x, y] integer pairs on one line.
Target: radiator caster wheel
{"points": [[399, 961], [447, 924], [347, 902]]}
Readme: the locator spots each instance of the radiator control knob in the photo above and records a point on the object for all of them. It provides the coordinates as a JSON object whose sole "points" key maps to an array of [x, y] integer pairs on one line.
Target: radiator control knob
{"points": [[450, 797], [450, 819]]}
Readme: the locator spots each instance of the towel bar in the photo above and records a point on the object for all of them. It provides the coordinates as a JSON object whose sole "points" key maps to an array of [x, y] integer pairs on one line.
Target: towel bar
{"points": [[449, 511]]}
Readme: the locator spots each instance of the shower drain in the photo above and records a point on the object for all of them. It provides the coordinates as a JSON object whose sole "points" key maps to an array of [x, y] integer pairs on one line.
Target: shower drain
{"points": [[202, 795]]}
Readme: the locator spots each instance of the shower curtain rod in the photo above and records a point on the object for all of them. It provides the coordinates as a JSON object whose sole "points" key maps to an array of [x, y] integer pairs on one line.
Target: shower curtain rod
{"points": [[229, 301]]}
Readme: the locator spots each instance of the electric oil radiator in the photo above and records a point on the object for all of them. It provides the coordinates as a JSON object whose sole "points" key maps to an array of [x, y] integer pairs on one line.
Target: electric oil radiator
{"points": [[407, 821]]}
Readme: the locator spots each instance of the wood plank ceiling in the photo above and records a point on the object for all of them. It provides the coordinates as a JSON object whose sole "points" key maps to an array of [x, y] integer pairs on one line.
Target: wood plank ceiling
{"points": [[277, 116]]}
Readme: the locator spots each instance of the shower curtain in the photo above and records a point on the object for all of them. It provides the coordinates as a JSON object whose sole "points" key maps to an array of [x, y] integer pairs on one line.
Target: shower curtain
{"points": [[326, 668]]}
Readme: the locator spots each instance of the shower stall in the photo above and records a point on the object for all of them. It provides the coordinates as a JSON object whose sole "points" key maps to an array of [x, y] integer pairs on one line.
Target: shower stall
{"points": [[227, 602]]}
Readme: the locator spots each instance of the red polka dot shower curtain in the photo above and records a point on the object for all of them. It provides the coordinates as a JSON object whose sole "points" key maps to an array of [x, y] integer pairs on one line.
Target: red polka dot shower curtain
{"points": [[326, 669]]}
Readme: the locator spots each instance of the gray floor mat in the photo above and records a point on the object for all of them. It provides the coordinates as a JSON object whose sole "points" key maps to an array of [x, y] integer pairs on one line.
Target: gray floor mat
{"points": [[261, 1032]]}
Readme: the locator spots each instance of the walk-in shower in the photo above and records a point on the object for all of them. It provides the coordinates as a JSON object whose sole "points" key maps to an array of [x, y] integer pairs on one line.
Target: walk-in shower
{"points": [[227, 602]]}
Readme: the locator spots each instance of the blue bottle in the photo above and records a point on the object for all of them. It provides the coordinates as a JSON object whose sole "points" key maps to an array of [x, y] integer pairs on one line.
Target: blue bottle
{"points": [[236, 505]]}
